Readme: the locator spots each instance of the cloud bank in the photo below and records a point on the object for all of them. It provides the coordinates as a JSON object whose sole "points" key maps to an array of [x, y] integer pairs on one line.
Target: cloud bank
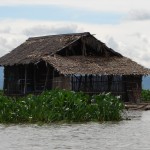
{"points": [[96, 5], [138, 15]]}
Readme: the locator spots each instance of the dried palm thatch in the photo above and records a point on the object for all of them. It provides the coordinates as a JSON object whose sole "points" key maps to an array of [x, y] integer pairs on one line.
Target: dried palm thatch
{"points": [[51, 49], [96, 65], [35, 48]]}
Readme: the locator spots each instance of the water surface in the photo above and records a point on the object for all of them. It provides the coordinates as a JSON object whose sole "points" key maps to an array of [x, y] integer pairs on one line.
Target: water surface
{"points": [[133, 134]]}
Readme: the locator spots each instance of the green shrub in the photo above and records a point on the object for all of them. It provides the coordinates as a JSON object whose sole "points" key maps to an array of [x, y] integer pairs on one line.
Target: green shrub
{"points": [[60, 105], [109, 107], [146, 95]]}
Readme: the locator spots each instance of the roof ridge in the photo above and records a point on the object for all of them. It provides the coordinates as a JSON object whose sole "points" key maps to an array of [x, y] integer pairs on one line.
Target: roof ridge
{"points": [[68, 34]]}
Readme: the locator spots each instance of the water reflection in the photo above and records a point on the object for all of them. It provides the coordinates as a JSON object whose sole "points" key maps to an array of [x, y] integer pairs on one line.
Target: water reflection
{"points": [[132, 134]]}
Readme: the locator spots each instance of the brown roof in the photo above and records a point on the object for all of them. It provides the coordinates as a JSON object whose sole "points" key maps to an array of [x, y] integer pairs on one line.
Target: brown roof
{"points": [[35, 48], [96, 65], [51, 49]]}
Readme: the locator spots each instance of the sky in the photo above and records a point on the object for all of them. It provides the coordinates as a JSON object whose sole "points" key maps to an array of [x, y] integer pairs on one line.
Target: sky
{"points": [[122, 24]]}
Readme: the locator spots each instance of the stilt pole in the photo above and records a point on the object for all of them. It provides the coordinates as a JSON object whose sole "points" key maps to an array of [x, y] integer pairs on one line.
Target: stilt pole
{"points": [[25, 80]]}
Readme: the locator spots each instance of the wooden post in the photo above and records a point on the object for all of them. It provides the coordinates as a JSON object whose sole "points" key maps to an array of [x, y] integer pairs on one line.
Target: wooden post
{"points": [[110, 78], [46, 79], [25, 80], [34, 78], [53, 81], [83, 47], [91, 83], [83, 50], [6, 83], [72, 85], [140, 88], [124, 87], [85, 84], [80, 80]]}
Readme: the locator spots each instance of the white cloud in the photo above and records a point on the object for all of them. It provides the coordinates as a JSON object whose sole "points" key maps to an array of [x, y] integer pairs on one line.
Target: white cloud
{"points": [[132, 39], [112, 43], [39, 30], [14, 32], [8, 42], [138, 15], [96, 5], [5, 29]]}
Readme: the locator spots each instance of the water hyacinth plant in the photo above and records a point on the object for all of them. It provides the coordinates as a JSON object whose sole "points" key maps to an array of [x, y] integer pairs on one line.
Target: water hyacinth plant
{"points": [[146, 95], [60, 105]]}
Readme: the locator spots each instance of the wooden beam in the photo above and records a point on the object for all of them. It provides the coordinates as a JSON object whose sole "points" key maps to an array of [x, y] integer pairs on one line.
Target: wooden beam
{"points": [[46, 79], [53, 82], [110, 79], [6, 83], [25, 80], [80, 80], [34, 78]]}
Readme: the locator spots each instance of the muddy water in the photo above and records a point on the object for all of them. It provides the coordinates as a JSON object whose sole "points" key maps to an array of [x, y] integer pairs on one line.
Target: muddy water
{"points": [[125, 135]]}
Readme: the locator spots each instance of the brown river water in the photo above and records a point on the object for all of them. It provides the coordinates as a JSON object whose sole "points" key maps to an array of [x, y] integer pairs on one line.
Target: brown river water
{"points": [[131, 134]]}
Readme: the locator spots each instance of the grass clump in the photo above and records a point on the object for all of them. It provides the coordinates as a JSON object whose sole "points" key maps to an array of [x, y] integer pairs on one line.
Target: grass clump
{"points": [[146, 95], [60, 105]]}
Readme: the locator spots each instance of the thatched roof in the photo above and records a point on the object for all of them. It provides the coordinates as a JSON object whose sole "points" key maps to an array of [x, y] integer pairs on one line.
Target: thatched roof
{"points": [[67, 54], [96, 65], [32, 50]]}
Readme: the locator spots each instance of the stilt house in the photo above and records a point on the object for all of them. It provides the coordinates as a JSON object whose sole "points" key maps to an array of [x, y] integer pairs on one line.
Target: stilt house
{"points": [[77, 62]]}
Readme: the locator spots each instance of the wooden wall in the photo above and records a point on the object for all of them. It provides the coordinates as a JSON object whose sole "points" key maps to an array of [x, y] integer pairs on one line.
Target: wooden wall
{"points": [[127, 87], [24, 79], [42, 76], [133, 88], [62, 82]]}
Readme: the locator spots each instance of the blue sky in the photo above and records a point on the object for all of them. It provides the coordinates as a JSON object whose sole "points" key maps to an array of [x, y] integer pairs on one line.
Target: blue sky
{"points": [[122, 24], [58, 13]]}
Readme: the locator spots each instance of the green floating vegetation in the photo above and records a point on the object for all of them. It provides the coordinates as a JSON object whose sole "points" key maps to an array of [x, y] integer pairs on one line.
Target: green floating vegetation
{"points": [[146, 95], [60, 105]]}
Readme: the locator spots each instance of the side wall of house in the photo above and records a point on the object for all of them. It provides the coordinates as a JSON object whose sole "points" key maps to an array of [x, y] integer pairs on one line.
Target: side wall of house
{"points": [[127, 87], [61, 82], [133, 88], [42, 77], [33, 78], [24, 79], [11, 76]]}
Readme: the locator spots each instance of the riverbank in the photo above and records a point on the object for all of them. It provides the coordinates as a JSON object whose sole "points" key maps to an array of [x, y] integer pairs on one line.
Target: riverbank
{"points": [[140, 106]]}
